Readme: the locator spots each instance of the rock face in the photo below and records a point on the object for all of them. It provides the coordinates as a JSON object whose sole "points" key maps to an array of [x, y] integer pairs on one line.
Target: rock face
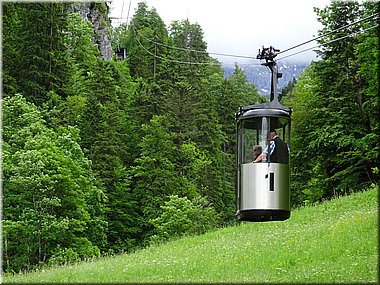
{"points": [[97, 14]]}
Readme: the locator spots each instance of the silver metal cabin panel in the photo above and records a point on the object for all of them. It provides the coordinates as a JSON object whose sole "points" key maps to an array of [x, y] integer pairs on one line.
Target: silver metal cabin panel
{"points": [[258, 192]]}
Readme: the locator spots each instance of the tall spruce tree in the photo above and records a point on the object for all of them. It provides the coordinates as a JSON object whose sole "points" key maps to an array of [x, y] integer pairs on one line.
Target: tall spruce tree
{"points": [[10, 49], [189, 107], [39, 51], [145, 42], [155, 176], [107, 136]]}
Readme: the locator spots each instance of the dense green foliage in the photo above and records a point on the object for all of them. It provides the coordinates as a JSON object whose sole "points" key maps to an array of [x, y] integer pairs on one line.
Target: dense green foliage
{"points": [[105, 156], [336, 134], [181, 216], [98, 153], [53, 208], [335, 242]]}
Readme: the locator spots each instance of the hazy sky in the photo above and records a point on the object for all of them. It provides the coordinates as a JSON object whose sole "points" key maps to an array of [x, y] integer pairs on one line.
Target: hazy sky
{"points": [[240, 27]]}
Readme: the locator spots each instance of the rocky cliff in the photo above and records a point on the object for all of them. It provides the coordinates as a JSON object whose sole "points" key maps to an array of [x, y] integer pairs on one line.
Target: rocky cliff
{"points": [[97, 14]]}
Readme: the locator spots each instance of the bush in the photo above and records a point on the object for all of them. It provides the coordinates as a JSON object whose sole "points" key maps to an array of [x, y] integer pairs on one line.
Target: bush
{"points": [[181, 216], [63, 256], [80, 250]]}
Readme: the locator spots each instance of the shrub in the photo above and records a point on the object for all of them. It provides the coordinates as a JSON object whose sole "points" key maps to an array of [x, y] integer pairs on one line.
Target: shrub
{"points": [[181, 216]]}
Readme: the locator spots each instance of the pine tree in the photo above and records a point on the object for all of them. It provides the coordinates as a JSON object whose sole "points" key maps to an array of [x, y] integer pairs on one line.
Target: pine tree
{"points": [[41, 66], [107, 137], [145, 42], [155, 174]]}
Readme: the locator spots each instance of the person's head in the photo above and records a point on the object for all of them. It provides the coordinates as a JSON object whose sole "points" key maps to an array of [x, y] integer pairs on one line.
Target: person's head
{"points": [[272, 134], [257, 150]]}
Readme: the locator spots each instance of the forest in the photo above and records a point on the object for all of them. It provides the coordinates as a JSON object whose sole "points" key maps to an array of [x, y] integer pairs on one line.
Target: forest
{"points": [[105, 156]]}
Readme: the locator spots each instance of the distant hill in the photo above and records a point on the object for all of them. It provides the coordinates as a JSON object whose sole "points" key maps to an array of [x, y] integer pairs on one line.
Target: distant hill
{"points": [[261, 75], [332, 242]]}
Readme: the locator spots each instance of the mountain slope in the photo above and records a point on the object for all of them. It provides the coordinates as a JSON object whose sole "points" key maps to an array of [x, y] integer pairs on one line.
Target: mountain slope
{"points": [[335, 241], [261, 75]]}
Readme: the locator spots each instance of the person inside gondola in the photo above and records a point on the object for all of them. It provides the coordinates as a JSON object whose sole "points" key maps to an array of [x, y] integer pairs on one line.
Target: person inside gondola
{"points": [[257, 150], [277, 149]]}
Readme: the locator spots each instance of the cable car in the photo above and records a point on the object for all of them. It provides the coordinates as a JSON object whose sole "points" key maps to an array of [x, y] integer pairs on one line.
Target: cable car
{"points": [[121, 53], [263, 173]]}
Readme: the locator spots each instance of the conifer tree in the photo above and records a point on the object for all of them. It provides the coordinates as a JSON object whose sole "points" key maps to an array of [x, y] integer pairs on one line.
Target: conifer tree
{"points": [[107, 135], [155, 175], [10, 50], [346, 131], [40, 50], [145, 42]]}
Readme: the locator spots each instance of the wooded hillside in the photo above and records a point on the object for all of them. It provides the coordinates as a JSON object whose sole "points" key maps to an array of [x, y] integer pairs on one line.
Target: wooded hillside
{"points": [[104, 156]]}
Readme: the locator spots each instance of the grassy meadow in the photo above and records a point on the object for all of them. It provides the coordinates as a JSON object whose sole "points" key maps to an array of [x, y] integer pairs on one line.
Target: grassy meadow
{"points": [[335, 241]]}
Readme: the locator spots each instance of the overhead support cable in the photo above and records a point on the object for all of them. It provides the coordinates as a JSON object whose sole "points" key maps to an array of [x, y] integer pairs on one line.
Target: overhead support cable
{"points": [[136, 31], [171, 60], [329, 42], [331, 32], [193, 50]]}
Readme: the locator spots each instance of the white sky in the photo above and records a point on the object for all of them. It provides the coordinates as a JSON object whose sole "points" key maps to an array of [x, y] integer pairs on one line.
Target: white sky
{"points": [[240, 27]]}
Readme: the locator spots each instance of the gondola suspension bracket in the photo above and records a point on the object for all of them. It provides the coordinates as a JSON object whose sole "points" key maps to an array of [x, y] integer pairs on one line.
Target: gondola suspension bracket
{"points": [[269, 55]]}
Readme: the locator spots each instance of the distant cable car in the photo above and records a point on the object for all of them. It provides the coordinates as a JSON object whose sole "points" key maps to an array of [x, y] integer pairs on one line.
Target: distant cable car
{"points": [[121, 53], [263, 174]]}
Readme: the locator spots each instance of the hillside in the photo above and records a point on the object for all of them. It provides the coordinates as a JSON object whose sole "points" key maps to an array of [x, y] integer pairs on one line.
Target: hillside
{"points": [[96, 147], [335, 241]]}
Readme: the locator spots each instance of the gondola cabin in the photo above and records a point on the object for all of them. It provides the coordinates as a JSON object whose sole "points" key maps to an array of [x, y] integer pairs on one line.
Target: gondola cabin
{"points": [[263, 178], [263, 137]]}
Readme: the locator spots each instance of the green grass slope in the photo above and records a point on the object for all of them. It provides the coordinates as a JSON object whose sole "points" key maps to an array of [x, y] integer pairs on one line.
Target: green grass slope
{"points": [[336, 241]]}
